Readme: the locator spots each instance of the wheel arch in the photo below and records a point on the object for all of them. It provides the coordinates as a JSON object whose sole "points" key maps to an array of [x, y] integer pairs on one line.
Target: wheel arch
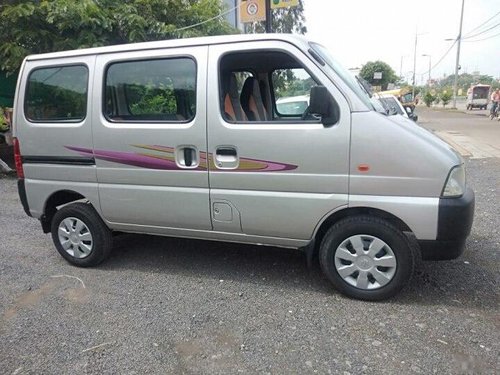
{"points": [[55, 200], [335, 216]]}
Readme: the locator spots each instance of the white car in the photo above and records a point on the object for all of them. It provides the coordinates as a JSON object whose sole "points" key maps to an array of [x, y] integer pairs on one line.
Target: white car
{"points": [[394, 107], [292, 105]]}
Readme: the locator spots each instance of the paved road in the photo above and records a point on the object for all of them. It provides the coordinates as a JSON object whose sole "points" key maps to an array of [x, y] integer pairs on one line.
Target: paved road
{"points": [[472, 133], [164, 305]]}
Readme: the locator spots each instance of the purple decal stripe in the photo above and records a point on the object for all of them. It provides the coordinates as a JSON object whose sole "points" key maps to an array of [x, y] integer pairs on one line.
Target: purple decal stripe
{"points": [[156, 148], [128, 158], [166, 160]]}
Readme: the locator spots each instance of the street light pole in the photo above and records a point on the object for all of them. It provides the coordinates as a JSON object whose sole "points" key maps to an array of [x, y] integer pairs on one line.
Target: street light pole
{"points": [[401, 67], [457, 64], [414, 67], [430, 67]]}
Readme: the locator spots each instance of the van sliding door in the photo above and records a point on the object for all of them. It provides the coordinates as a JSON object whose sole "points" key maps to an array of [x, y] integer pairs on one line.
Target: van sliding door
{"points": [[149, 134]]}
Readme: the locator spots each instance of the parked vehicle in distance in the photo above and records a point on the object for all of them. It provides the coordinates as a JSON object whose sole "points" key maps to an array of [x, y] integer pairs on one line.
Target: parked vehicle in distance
{"points": [[478, 96], [394, 107], [404, 95], [295, 105], [185, 138]]}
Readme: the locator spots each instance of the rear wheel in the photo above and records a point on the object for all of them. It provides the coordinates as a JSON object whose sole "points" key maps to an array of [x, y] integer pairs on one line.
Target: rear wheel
{"points": [[80, 235], [367, 258]]}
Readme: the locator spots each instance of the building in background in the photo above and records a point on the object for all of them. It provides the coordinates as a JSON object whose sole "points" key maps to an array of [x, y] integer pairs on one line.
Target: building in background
{"points": [[233, 16]]}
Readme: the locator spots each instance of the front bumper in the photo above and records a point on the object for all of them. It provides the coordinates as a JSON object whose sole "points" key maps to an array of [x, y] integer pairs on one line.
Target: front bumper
{"points": [[454, 224]]}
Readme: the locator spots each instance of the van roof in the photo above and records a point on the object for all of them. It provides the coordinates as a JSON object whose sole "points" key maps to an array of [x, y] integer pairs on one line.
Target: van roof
{"points": [[171, 43]]}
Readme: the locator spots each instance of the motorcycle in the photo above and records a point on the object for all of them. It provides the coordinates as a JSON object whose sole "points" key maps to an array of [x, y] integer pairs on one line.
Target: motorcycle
{"points": [[496, 113]]}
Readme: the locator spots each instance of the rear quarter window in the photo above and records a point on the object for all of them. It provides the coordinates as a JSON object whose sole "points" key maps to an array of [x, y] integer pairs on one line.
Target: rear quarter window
{"points": [[57, 93]]}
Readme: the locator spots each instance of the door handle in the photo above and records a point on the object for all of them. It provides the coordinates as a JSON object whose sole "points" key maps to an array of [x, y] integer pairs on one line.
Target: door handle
{"points": [[226, 157], [187, 157]]}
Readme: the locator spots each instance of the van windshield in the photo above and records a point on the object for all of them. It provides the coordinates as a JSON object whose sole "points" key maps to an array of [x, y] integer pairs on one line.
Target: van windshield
{"points": [[344, 74]]}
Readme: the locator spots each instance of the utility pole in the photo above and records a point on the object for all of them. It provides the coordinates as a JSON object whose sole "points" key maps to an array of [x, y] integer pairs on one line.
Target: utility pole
{"points": [[269, 28], [401, 67], [414, 66], [430, 67], [457, 64]]}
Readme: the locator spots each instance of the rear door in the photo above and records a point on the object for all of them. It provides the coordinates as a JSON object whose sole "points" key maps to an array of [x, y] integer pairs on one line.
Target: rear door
{"points": [[280, 176], [149, 132]]}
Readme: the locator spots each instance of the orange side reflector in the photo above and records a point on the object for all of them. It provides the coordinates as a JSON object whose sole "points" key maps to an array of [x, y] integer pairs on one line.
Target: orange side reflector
{"points": [[363, 167]]}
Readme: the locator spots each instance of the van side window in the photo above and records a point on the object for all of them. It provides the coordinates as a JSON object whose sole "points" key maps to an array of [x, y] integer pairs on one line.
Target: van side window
{"points": [[264, 86], [57, 94], [160, 90]]}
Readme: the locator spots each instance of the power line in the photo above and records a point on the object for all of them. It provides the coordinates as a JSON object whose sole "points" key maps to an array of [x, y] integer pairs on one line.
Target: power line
{"points": [[480, 40], [484, 31], [441, 59], [484, 23], [206, 21]]}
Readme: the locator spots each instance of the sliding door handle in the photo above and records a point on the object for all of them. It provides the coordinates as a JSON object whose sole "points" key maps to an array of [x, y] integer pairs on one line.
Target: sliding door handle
{"points": [[186, 157]]}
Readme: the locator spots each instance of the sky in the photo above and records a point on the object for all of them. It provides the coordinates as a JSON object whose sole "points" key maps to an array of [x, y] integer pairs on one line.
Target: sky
{"points": [[358, 31]]}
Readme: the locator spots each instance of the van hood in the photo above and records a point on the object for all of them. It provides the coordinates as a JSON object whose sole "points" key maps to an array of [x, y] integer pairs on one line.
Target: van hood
{"points": [[403, 158], [427, 136]]}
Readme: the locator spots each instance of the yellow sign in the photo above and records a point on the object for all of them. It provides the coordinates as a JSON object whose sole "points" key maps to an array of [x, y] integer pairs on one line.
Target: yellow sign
{"points": [[252, 11], [284, 3]]}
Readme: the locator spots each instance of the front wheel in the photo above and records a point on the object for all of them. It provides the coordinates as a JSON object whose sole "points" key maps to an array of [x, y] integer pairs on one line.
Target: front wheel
{"points": [[80, 235], [367, 258]]}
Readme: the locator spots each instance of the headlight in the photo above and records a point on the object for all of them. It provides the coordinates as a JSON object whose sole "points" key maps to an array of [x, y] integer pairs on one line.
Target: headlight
{"points": [[455, 184]]}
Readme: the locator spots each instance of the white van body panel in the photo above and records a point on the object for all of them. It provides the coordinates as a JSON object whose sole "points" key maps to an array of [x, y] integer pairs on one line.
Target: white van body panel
{"points": [[407, 166], [319, 155], [420, 214], [379, 141], [131, 194], [43, 179]]}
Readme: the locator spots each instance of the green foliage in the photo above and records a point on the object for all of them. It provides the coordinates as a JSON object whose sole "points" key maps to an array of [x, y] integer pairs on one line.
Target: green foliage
{"points": [[3, 122], [286, 84], [151, 99], [445, 98], [388, 74], [429, 98], [55, 102], [30, 27], [285, 20], [465, 80]]}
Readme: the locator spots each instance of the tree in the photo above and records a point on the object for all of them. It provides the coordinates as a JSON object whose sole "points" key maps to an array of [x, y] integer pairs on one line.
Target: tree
{"points": [[429, 98], [445, 98], [30, 27], [388, 74], [465, 80], [284, 20]]}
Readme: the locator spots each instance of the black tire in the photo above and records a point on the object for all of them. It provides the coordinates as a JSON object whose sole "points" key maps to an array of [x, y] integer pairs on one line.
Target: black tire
{"points": [[102, 239], [403, 249]]}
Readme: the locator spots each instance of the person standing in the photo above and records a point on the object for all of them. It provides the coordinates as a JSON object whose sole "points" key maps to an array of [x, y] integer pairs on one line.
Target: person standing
{"points": [[495, 100]]}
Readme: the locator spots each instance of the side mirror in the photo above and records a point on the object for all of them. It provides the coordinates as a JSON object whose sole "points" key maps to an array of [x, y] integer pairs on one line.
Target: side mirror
{"points": [[322, 103]]}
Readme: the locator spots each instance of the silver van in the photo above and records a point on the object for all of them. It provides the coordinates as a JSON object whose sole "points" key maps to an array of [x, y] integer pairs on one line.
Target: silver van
{"points": [[183, 138]]}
